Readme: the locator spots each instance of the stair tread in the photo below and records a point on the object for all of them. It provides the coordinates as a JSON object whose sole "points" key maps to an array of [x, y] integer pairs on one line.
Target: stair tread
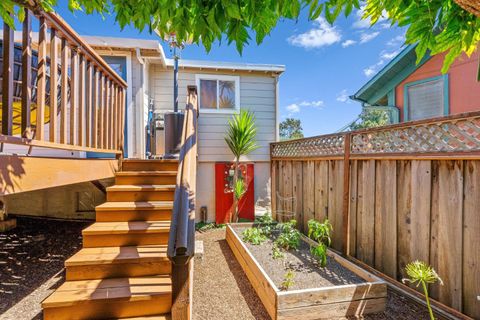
{"points": [[117, 255], [157, 317], [142, 187], [98, 228], [131, 205], [131, 289], [146, 173]]}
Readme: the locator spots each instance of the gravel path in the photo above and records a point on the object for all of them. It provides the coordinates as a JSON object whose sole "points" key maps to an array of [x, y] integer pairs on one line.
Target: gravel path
{"points": [[222, 291], [32, 257]]}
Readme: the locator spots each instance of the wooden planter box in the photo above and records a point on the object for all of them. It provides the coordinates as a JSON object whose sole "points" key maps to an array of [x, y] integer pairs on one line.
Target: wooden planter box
{"points": [[317, 303]]}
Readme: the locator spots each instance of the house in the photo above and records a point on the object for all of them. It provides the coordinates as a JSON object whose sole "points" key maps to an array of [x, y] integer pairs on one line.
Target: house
{"points": [[149, 77], [412, 92]]}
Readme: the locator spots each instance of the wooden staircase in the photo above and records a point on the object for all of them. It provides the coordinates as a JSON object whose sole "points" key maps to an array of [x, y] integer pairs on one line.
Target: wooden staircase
{"points": [[123, 270]]}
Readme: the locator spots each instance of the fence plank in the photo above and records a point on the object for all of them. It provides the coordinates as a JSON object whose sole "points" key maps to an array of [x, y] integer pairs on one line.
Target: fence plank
{"points": [[321, 190], [288, 212], [42, 80], [297, 189], [27, 75], [273, 187], [448, 233], [405, 224], [471, 240], [366, 211], [335, 202], [353, 207], [308, 194], [64, 92], [386, 217]]}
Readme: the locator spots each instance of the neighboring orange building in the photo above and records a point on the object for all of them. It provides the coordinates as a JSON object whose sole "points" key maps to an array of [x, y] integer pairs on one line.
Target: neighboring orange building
{"points": [[412, 92]]}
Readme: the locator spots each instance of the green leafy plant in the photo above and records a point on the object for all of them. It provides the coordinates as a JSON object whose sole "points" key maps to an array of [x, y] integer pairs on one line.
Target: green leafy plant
{"points": [[288, 280], [205, 226], [277, 252], [319, 252], [254, 236], [420, 273], [266, 218], [241, 139], [289, 237], [320, 231], [435, 26]]}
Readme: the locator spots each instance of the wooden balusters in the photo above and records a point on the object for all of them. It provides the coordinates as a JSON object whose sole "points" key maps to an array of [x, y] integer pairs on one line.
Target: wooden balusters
{"points": [[96, 96], [101, 110], [73, 95], [53, 85], [89, 105], [81, 100], [42, 79], [26, 75], [7, 93], [64, 92]]}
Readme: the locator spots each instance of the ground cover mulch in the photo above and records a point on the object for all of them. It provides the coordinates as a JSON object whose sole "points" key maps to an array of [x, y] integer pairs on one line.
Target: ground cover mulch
{"points": [[308, 273], [222, 291], [32, 256]]}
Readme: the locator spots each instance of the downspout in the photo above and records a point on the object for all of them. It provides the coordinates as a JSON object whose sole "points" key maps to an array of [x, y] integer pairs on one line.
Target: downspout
{"points": [[141, 121], [277, 111]]}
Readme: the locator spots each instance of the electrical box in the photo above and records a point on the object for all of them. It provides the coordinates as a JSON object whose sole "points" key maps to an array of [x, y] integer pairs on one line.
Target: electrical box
{"points": [[224, 172]]}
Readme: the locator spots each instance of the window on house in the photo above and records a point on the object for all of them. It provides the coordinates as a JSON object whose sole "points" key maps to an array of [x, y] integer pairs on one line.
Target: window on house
{"points": [[427, 99], [218, 93]]}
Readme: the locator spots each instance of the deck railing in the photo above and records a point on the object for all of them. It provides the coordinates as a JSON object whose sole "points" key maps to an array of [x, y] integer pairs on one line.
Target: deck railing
{"points": [[393, 195], [65, 97], [181, 242]]}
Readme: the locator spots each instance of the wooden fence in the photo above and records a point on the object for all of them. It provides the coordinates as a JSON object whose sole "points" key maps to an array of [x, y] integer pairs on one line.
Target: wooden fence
{"points": [[393, 195], [58, 92]]}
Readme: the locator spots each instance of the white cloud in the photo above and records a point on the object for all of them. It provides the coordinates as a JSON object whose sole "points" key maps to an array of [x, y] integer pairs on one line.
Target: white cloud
{"points": [[366, 23], [293, 108], [370, 71], [348, 43], [323, 34], [366, 37], [389, 55], [314, 104], [343, 96], [398, 40]]}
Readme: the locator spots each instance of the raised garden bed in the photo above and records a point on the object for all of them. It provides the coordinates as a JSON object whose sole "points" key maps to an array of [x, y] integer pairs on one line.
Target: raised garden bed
{"points": [[340, 289]]}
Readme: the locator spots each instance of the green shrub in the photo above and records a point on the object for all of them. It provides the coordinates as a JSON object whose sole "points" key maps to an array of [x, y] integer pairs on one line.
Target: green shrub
{"points": [[254, 236], [320, 232], [319, 252]]}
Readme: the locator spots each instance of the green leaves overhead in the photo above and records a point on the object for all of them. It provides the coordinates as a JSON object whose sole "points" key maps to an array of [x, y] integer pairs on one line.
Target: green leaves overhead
{"points": [[436, 25]]}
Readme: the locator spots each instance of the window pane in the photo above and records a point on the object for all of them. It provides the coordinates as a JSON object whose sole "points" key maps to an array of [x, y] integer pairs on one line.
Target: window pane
{"points": [[226, 94], [425, 100], [208, 94]]}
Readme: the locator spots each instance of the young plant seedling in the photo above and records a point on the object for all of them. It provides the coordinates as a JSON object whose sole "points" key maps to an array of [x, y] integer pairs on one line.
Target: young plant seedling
{"points": [[289, 237], [254, 236], [319, 252], [420, 273], [277, 252], [288, 280], [319, 231]]}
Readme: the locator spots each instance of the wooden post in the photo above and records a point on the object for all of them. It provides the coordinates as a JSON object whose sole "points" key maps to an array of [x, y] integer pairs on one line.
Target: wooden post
{"points": [[42, 79], [273, 184], [95, 98], [53, 85], [88, 100], [115, 118], [181, 274], [7, 85], [346, 194], [27, 75], [101, 110], [73, 95], [64, 92]]}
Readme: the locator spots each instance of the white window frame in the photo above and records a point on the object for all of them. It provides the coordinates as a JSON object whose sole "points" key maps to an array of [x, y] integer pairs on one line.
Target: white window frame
{"points": [[219, 77]]}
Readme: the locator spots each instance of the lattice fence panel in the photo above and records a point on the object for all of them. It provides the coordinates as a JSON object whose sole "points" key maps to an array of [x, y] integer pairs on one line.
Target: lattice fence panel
{"points": [[329, 145], [456, 135]]}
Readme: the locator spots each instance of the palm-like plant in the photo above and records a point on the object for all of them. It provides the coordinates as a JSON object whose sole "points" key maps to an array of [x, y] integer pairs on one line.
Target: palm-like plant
{"points": [[241, 139], [420, 273]]}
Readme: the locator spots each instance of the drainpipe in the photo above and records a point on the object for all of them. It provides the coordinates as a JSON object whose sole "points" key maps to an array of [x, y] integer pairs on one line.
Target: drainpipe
{"points": [[175, 79]]}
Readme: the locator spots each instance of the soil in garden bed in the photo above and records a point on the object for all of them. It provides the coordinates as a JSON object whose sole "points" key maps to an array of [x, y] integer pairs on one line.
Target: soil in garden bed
{"points": [[308, 272]]}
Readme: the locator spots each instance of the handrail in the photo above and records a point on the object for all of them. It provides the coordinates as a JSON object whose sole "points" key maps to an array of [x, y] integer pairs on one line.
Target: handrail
{"points": [[181, 240], [81, 107]]}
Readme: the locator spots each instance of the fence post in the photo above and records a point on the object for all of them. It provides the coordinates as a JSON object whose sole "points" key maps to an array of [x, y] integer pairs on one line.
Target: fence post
{"points": [[346, 194]]}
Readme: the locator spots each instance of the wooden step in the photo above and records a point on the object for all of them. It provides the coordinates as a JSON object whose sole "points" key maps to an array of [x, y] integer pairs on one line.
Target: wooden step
{"points": [[140, 192], [132, 211], [110, 298], [149, 165], [133, 233], [118, 262], [145, 177], [158, 317]]}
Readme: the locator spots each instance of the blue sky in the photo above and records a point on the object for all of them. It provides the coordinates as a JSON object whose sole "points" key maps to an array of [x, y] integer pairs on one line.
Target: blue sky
{"points": [[324, 64]]}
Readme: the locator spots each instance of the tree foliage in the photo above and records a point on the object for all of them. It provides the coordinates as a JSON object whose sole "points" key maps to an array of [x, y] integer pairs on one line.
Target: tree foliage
{"points": [[291, 129], [371, 118], [436, 25]]}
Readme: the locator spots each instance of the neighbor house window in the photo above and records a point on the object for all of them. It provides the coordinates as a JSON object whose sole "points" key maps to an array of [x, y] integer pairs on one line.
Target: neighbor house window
{"points": [[426, 98], [218, 93]]}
